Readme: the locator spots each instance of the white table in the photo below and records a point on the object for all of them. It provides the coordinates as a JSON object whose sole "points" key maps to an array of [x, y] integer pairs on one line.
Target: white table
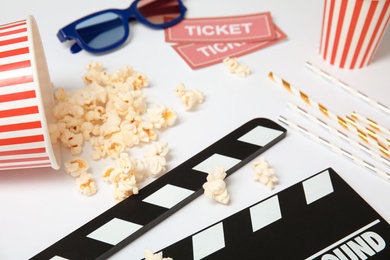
{"points": [[40, 206]]}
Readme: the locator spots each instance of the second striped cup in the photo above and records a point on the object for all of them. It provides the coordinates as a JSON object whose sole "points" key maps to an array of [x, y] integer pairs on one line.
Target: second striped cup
{"points": [[352, 31]]}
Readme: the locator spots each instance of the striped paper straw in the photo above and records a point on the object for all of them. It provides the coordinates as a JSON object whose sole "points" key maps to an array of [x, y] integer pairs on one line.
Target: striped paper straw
{"points": [[379, 128], [352, 31], [366, 134], [336, 132], [318, 139], [383, 142], [350, 90]]}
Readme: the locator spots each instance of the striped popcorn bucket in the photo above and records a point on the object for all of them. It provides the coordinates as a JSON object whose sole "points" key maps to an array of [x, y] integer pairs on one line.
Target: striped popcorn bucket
{"points": [[26, 99], [352, 31]]}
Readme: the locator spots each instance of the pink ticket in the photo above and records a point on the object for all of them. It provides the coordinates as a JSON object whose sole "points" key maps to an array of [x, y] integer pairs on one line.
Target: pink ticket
{"points": [[200, 55], [244, 28]]}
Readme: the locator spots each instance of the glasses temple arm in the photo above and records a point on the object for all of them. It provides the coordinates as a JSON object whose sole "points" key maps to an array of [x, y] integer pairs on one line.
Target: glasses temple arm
{"points": [[158, 8], [156, 5], [75, 48]]}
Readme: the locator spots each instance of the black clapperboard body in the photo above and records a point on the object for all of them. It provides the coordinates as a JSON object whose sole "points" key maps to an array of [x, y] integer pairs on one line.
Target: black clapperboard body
{"points": [[321, 217], [129, 219]]}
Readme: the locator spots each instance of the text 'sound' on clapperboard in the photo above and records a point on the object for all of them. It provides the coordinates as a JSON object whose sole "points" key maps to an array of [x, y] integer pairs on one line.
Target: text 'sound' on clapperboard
{"points": [[321, 217], [129, 219]]}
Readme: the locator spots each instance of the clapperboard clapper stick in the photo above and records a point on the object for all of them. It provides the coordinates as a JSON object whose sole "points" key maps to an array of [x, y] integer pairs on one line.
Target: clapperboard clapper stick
{"points": [[321, 217], [134, 216]]}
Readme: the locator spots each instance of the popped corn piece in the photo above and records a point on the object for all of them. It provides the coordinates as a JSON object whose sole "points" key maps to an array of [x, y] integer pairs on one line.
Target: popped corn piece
{"points": [[231, 63], [180, 90], [110, 126], [133, 118], [99, 145], [94, 71], [75, 167], [110, 171], [94, 66], [86, 129], [215, 186], [61, 127], [71, 123], [76, 149], [77, 111], [60, 95], [138, 169], [127, 184], [121, 107], [115, 176], [140, 80], [115, 147], [145, 132], [95, 115], [61, 109], [120, 195], [139, 103], [189, 97], [54, 133], [159, 149], [127, 134], [161, 116], [86, 184], [149, 255], [130, 165], [264, 173], [98, 92], [234, 67], [126, 72], [155, 158], [156, 165], [199, 95], [124, 162], [242, 71], [125, 176], [72, 140], [84, 98]]}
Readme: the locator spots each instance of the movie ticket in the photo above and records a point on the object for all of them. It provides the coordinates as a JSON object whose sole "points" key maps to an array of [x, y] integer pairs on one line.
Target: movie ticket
{"points": [[243, 28], [200, 55]]}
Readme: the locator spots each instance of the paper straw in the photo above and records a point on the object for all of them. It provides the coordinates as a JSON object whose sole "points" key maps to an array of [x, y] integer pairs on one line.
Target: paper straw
{"points": [[373, 153], [365, 133], [371, 123], [350, 90], [383, 142], [318, 139]]}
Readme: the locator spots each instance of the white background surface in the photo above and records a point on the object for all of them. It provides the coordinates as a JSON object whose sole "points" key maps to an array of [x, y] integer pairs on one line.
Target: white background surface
{"points": [[40, 206]]}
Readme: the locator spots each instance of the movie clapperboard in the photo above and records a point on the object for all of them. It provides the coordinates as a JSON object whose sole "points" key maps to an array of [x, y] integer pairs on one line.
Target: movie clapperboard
{"points": [[134, 216], [321, 217]]}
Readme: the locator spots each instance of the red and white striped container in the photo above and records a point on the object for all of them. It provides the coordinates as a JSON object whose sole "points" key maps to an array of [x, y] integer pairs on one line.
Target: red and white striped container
{"points": [[352, 31], [25, 95]]}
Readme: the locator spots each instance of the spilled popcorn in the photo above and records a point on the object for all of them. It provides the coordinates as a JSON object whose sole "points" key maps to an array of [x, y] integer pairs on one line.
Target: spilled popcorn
{"points": [[235, 68], [158, 256], [111, 114], [78, 168], [189, 97], [264, 173], [86, 184], [125, 175], [155, 158], [215, 186]]}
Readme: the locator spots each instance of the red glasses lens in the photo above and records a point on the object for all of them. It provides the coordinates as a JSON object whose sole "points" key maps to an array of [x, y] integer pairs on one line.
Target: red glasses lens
{"points": [[159, 11]]}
